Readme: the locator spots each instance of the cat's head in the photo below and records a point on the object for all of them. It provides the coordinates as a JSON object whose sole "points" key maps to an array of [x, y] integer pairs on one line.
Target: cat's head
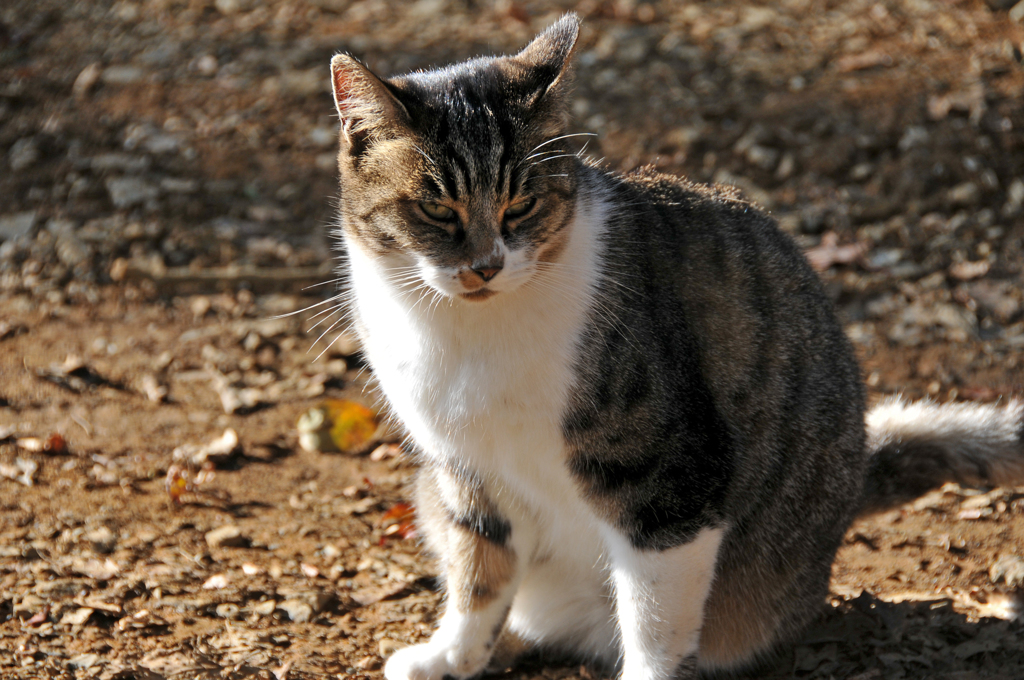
{"points": [[459, 173]]}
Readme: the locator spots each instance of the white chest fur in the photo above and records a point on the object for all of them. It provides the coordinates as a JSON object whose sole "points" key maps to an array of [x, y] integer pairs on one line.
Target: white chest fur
{"points": [[485, 384]]}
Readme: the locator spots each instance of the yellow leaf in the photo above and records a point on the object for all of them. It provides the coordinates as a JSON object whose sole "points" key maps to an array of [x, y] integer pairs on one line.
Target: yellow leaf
{"points": [[353, 426]]}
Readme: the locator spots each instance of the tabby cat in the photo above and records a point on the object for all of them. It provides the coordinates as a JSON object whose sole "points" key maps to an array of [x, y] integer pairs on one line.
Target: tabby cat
{"points": [[641, 429]]}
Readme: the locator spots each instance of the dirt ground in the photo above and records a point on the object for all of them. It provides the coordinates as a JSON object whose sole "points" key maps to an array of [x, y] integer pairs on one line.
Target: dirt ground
{"points": [[167, 190]]}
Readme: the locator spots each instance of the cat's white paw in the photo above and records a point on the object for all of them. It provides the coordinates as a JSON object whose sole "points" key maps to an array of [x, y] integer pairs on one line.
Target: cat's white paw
{"points": [[432, 662]]}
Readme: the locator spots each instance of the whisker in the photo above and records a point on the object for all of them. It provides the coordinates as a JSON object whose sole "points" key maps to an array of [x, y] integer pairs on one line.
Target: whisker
{"points": [[333, 311], [555, 139], [551, 158], [306, 309], [424, 154], [540, 153], [329, 329], [324, 283]]}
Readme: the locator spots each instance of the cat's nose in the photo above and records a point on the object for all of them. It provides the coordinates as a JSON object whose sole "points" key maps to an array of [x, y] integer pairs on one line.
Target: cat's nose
{"points": [[487, 272]]}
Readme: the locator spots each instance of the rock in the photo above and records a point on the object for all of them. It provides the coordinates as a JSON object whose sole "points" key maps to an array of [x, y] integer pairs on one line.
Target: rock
{"points": [[23, 154], [915, 135], [964, 194], [216, 582], [218, 451], [884, 257], [16, 225], [177, 185], [162, 143], [912, 323], [84, 661], [23, 471], [368, 663], [227, 610], [77, 617], [1015, 194], [86, 80], [150, 138], [118, 270], [1016, 13], [207, 65], [122, 75], [763, 157], [227, 536], [58, 226], [386, 647], [229, 7], [996, 298], [102, 540], [1009, 568], [128, 191], [967, 270], [119, 161], [151, 387], [297, 610], [72, 251], [94, 569]]}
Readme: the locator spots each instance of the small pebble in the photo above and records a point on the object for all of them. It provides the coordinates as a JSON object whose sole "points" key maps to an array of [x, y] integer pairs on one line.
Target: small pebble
{"points": [[226, 536], [227, 610], [297, 610], [386, 647]]}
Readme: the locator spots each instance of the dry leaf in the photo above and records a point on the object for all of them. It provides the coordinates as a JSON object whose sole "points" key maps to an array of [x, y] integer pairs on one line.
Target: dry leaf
{"points": [[338, 425], [399, 520], [177, 483], [39, 617]]}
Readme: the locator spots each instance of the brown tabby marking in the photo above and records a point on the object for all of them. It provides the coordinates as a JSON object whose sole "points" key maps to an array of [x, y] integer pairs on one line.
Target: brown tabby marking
{"points": [[479, 571], [457, 518], [738, 623]]}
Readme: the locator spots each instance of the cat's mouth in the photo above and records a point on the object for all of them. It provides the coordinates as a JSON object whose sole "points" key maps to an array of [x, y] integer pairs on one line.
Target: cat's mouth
{"points": [[478, 295]]}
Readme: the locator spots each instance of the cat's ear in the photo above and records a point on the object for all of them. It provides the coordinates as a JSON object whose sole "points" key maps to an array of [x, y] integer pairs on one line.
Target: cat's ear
{"points": [[367, 107], [549, 57]]}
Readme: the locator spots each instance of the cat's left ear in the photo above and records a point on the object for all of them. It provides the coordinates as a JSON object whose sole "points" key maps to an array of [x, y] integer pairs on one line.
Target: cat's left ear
{"points": [[548, 59], [367, 107]]}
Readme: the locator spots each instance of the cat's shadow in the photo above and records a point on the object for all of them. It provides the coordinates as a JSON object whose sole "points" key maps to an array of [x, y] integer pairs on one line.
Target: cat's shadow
{"points": [[862, 639]]}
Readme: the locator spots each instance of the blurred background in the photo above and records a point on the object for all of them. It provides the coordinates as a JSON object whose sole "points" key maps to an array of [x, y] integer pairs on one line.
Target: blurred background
{"points": [[153, 142], [168, 186]]}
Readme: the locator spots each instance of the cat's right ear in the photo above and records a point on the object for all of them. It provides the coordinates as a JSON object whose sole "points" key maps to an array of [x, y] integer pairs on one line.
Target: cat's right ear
{"points": [[549, 55], [547, 73], [367, 107]]}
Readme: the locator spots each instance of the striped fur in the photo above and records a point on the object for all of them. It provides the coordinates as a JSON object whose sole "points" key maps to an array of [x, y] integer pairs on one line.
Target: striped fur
{"points": [[641, 428], [918, 446]]}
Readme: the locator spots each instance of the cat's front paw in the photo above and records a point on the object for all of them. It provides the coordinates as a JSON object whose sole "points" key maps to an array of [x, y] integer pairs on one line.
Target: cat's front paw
{"points": [[431, 662]]}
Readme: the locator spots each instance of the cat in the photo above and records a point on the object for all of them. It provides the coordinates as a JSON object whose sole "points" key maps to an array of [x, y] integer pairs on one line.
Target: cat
{"points": [[642, 431]]}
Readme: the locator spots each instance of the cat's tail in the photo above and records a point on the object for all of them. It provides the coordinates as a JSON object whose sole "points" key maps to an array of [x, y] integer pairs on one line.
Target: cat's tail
{"points": [[917, 446]]}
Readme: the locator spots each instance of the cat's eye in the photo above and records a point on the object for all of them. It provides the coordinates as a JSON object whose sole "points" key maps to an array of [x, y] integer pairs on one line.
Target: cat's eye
{"points": [[520, 208], [436, 211]]}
